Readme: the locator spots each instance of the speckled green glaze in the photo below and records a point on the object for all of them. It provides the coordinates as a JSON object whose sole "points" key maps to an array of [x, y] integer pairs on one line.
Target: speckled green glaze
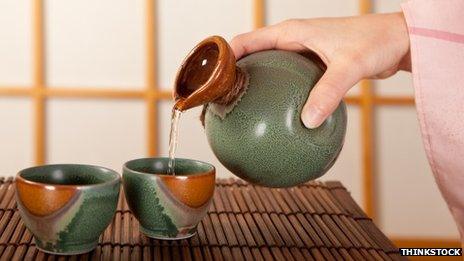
{"points": [[88, 197], [167, 206], [263, 140]]}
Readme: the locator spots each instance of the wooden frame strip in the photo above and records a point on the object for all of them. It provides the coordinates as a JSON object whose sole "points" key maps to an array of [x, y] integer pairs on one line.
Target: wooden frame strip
{"points": [[151, 79], [426, 242], [16, 91], [159, 94], [77, 92], [394, 100], [39, 82], [259, 19], [367, 134]]}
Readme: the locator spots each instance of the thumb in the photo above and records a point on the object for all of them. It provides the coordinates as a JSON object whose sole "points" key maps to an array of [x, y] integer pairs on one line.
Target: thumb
{"points": [[325, 97]]}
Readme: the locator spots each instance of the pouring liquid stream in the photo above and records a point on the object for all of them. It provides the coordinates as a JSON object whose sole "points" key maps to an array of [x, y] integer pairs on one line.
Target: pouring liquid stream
{"points": [[173, 140]]}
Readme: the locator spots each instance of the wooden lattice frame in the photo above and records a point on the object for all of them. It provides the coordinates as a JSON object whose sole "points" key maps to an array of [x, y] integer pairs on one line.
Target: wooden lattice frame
{"points": [[39, 92]]}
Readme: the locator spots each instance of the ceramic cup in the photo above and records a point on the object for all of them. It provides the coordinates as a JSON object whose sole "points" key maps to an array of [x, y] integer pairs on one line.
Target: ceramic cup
{"points": [[67, 207], [168, 206]]}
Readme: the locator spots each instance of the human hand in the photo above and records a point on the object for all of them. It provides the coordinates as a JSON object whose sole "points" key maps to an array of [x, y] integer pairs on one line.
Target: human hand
{"points": [[369, 46]]}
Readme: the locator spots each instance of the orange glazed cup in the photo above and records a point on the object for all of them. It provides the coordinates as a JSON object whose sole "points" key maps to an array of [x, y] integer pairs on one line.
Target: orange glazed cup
{"points": [[168, 206]]}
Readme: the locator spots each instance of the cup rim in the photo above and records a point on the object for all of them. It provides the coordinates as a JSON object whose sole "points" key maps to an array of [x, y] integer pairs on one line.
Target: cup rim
{"points": [[115, 177], [212, 171]]}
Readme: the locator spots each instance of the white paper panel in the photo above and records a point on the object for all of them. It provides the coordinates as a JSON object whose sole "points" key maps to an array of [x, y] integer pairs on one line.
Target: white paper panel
{"points": [[353, 91], [95, 43], [347, 168], [387, 6], [184, 23], [15, 42], [411, 202], [278, 11], [106, 133], [192, 142], [399, 84], [16, 134]]}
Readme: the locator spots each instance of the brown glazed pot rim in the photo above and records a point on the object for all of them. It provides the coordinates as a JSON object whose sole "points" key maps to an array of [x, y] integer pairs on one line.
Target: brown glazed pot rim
{"points": [[217, 66], [219, 82], [176, 176], [116, 177]]}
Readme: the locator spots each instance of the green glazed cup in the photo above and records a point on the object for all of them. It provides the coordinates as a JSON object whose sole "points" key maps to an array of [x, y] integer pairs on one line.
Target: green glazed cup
{"points": [[67, 206], [168, 206]]}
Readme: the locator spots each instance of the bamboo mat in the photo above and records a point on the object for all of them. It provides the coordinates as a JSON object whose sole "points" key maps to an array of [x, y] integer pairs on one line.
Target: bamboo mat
{"points": [[314, 221]]}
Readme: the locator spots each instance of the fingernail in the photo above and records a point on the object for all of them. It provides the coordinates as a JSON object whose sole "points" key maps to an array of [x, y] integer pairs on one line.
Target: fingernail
{"points": [[312, 117]]}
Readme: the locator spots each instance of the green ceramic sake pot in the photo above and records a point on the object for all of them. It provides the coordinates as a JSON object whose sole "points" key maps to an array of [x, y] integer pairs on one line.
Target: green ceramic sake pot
{"points": [[258, 134]]}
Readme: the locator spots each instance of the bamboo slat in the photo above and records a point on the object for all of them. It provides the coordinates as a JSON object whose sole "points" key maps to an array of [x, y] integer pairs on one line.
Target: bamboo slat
{"points": [[313, 221]]}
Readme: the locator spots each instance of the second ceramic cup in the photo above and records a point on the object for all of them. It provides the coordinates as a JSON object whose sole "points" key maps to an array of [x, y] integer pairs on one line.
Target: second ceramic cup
{"points": [[67, 206], [168, 206]]}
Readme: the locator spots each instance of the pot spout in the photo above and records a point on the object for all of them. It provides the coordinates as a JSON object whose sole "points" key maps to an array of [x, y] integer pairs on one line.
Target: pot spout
{"points": [[207, 74]]}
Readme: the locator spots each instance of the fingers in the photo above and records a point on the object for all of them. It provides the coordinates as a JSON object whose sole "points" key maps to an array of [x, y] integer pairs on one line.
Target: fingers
{"points": [[280, 36], [327, 94], [290, 35]]}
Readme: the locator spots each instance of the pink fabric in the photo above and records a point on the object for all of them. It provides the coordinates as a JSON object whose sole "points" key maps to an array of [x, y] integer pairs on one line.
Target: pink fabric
{"points": [[436, 30]]}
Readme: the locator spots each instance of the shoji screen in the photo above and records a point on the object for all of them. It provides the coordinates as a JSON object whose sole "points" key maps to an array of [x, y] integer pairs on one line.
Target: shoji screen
{"points": [[90, 81]]}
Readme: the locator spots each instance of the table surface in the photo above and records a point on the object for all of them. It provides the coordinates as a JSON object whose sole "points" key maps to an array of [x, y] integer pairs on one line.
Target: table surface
{"points": [[313, 221]]}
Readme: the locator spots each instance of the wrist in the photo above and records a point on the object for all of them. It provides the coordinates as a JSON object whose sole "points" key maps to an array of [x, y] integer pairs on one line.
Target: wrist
{"points": [[405, 62]]}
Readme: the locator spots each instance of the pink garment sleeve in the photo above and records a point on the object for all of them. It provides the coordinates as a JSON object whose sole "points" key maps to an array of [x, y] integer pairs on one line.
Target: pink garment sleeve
{"points": [[436, 30]]}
